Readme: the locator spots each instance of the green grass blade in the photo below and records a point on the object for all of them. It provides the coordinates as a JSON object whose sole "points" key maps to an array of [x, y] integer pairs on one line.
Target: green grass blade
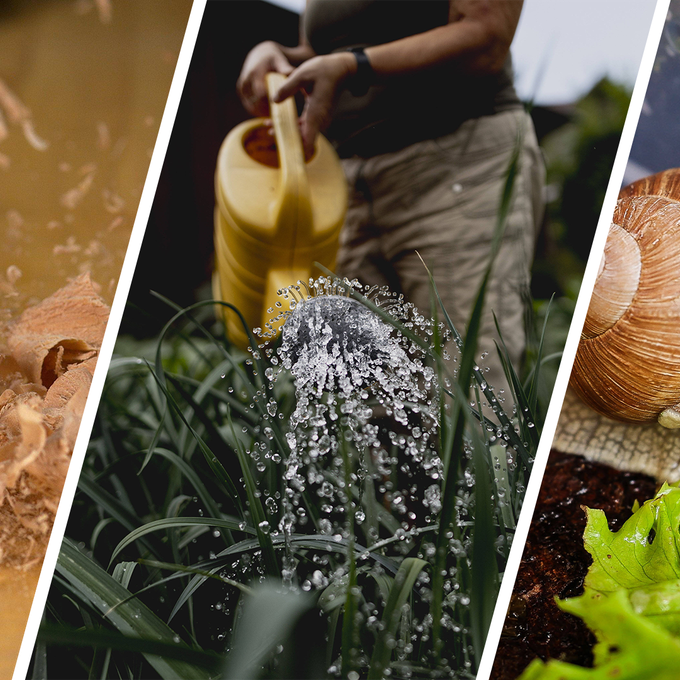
{"points": [[534, 381], [218, 469], [212, 303], [132, 619], [177, 656], [269, 616], [111, 505], [484, 571], [299, 543], [232, 524], [503, 484], [399, 592], [257, 513], [194, 479], [460, 409]]}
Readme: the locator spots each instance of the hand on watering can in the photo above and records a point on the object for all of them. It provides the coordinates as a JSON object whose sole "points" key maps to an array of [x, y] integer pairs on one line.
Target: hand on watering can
{"points": [[320, 79], [251, 86]]}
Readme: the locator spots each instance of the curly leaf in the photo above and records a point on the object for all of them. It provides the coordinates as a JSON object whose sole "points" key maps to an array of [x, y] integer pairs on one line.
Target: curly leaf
{"points": [[660, 603], [630, 646], [645, 551]]}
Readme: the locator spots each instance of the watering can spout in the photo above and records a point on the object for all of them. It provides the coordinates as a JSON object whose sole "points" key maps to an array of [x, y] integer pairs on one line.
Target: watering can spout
{"points": [[275, 215]]}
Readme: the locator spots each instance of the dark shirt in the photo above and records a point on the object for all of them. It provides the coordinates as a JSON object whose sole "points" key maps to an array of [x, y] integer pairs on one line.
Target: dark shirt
{"points": [[411, 108]]}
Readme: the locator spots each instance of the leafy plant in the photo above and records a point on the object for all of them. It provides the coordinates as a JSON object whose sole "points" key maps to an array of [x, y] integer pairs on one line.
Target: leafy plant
{"points": [[632, 596]]}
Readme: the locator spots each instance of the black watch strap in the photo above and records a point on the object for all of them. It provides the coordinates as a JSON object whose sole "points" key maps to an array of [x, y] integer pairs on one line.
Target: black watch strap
{"points": [[364, 77]]}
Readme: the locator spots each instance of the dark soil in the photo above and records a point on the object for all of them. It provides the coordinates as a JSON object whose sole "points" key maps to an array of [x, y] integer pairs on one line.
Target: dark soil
{"points": [[555, 562]]}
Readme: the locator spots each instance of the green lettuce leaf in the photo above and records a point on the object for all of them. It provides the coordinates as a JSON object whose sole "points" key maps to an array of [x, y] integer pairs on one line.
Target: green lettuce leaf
{"points": [[632, 596], [645, 551], [659, 603], [630, 646]]}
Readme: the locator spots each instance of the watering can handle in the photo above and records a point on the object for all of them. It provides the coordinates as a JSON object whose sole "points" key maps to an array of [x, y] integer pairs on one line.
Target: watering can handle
{"points": [[294, 210]]}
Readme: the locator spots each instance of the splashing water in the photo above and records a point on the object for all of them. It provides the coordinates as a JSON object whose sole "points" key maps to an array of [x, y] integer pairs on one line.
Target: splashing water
{"points": [[349, 366], [358, 464], [362, 440]]}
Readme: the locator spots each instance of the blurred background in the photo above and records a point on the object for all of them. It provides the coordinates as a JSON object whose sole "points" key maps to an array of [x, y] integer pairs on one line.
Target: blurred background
{"points": [[657, 139], [83, 85]]}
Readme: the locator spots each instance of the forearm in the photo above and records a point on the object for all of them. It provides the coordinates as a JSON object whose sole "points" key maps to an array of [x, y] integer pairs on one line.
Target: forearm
{"points": [[469, 51], [475, 42]]}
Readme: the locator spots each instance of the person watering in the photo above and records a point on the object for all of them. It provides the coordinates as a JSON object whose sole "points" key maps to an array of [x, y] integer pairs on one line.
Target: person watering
{"points": [[418, 99]]}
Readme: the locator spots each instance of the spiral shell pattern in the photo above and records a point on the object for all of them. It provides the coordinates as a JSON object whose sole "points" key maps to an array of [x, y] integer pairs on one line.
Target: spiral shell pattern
{"points": [[628, 361]]}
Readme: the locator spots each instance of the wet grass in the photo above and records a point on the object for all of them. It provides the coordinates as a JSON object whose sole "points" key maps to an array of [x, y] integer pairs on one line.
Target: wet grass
{"points": [[179, 561], [173, 555]]}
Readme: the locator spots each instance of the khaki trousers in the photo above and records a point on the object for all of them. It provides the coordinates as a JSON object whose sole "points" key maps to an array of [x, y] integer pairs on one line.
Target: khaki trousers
{"points": [[440, 197]]}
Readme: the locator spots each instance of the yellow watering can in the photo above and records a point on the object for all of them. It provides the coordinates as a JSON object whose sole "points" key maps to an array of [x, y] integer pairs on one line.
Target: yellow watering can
{"points": [[276, 213]]}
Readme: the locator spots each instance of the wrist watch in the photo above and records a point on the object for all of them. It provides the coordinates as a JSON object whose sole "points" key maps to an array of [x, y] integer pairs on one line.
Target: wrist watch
{"points": [[364, 76]]}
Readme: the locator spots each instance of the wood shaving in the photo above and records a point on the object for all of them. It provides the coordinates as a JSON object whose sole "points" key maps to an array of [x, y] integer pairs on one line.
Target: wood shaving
{"points": [[13, 274], [67, 248], [87, 169], [73, 318], [47, 375], [15, 110], [115, 223], [113, 203], [94, 248], [4, 131], [103, 136], [105, 11], [17, 113], [74, 196], [32, 137], [14, 219]]}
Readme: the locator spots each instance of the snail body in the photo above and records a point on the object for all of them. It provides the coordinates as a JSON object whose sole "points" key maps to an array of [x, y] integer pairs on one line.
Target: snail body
{"points": [[627, 364]]}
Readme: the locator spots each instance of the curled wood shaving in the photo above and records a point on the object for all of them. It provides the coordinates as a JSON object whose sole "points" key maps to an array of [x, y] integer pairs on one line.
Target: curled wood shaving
{"points": [[46, 380], [32, 137], [113, 203], [17, 113], [74, 196], [4, 131], [103, 136], [13, 274]]}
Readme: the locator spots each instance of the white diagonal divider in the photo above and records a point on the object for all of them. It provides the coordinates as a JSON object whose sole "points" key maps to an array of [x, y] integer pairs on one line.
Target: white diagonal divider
{"points": [[117, 308]]}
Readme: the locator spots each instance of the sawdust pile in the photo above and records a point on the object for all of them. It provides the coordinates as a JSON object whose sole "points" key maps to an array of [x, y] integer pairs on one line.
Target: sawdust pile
{"points": [[46, 373]]}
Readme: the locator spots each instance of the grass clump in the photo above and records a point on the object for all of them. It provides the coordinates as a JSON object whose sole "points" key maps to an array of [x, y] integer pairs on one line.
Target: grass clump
{"points": [[336, 503], [239, 528]]}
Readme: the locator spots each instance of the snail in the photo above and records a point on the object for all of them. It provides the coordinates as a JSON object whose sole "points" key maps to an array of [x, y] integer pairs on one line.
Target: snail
{"points": [[627, 365]]}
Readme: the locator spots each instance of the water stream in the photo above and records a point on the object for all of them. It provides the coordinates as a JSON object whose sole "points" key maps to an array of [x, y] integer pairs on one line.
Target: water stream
{"points": [[362, 463]]}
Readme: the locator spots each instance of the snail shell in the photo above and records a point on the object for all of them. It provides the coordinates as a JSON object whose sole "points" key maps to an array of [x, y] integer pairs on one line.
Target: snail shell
{"points": [[628, 361]]}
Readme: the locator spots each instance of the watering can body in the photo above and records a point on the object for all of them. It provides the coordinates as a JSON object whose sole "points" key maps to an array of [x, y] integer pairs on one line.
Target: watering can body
{"points": [[273, 218]]}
